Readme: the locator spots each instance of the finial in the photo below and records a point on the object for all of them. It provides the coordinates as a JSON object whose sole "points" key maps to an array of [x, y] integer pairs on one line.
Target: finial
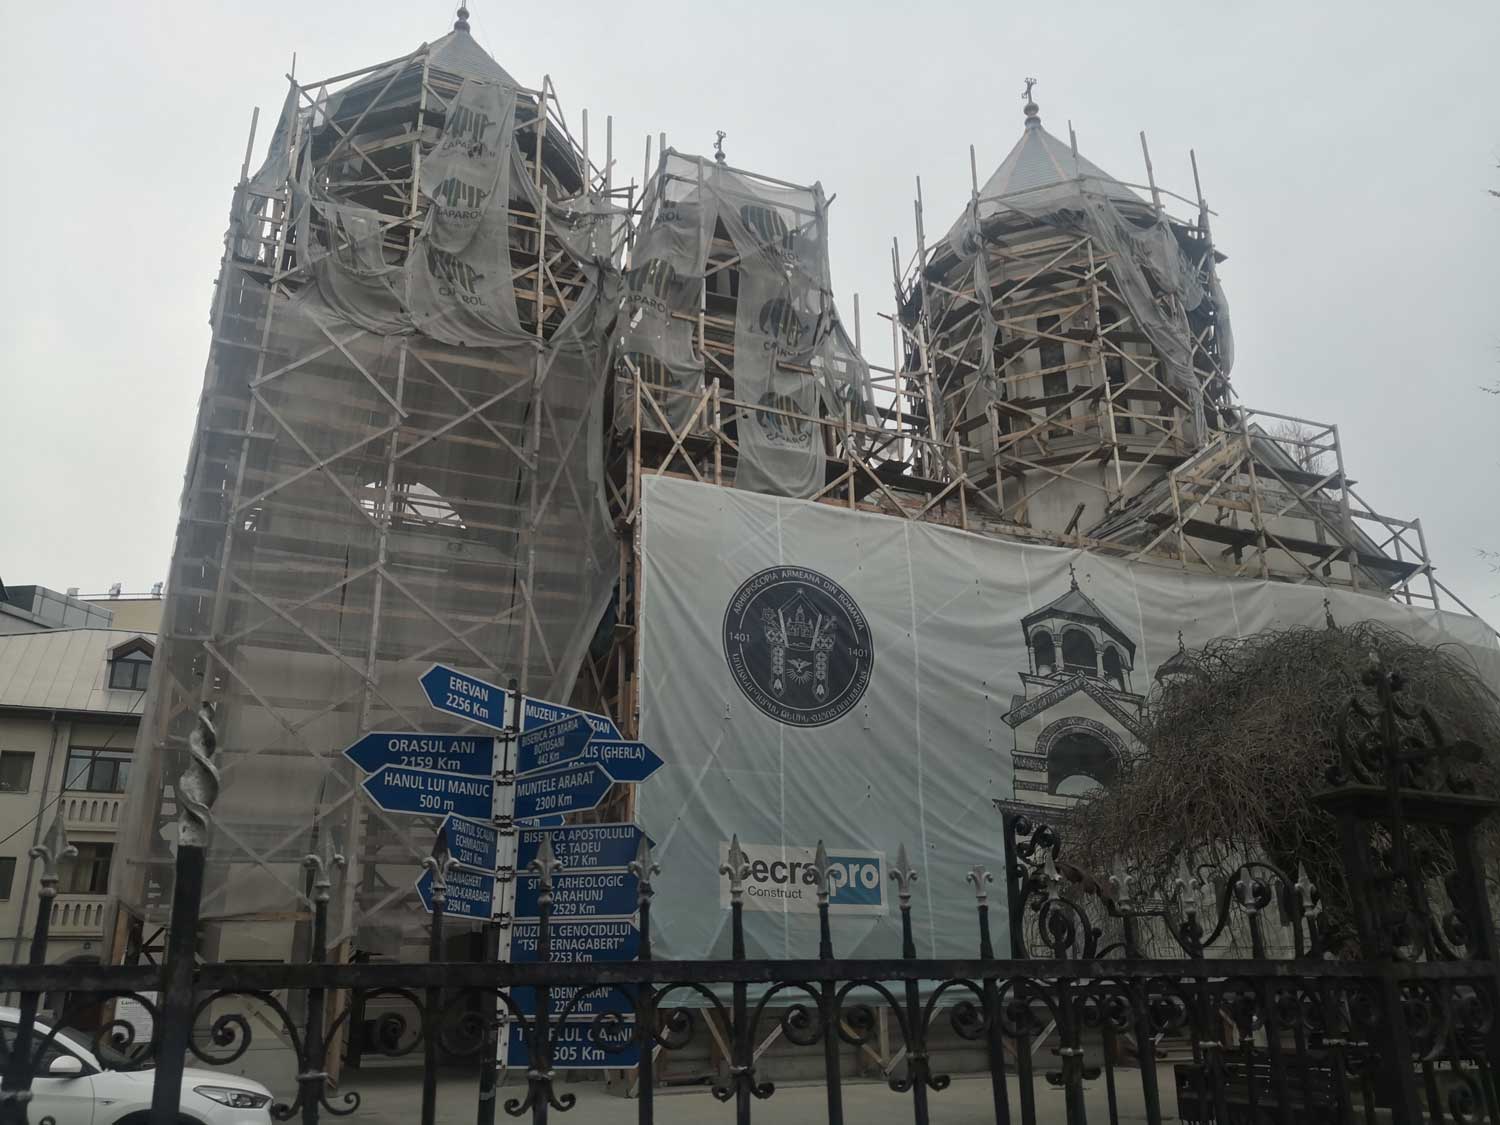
{"points": [[52, 850], [719, 145], [642, 867], [904, 875], [462, 23], [322, 868], [1307, 894], [1072, 576], [439, 862], [820, 873], [1328, 614], [981, 879], [1180, 646], [737, 867], [1030, 108]]}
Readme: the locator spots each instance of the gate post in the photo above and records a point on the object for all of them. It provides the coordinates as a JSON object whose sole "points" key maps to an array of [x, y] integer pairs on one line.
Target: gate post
{"points": [[197, 790], [1392, 781], [15, 1087], [440, 863]]}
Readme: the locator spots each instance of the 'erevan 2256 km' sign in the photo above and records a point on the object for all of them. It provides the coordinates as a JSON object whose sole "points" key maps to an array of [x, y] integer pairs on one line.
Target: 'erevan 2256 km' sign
{"points": [[466, 696]]}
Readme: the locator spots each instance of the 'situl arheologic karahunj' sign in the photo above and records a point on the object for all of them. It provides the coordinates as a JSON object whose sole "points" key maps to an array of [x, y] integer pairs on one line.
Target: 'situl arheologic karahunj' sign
{"points": [[499, 797]]}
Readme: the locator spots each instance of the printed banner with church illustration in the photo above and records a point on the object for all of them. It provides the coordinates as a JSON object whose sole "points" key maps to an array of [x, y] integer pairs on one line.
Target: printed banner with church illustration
{"points": [[814, 673]]}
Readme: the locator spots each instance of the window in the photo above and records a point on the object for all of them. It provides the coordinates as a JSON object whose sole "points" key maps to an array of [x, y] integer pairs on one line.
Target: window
{"points": [[130, 671], [87, 873], [1052, 355], [1044, 652], [1114, 671], [97, 771], [1078, 651], [1114, 370], [15, 771], [7, 875], [53, 1051]]}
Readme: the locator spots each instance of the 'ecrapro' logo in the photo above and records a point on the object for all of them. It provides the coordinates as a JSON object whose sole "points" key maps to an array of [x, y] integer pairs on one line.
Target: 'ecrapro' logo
{"points": [[783, 879]]}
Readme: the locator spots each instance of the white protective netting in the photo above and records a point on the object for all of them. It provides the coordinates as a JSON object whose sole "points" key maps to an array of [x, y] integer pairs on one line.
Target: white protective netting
{"points": [[396, 462], [716, 242]]}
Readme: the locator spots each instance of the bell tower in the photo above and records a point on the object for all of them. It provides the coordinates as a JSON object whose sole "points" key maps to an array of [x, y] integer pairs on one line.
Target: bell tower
{"points": [[1075, 333]]}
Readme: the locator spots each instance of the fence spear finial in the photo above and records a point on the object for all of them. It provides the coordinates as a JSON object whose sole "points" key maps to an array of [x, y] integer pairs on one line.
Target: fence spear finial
{"points": [[820, 873], [643, 867], [323, 867], [52, 850], [737, 868], [904, 875], [981, 879]]}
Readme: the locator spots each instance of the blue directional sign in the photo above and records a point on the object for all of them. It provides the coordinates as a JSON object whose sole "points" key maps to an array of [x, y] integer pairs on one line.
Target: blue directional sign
{"points": [[544, 747], [470, 893], [625, 761], [579, 894], [397, 789], [564, 790], [471, 843], [538, 713], [581, 1045], [582, 846], [606, 998], [446, 753], [456, 693], [577, 941]]}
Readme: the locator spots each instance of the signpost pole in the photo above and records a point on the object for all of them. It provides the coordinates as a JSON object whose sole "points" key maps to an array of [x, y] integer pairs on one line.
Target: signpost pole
{"points": [[497, 931], [439, 863]]}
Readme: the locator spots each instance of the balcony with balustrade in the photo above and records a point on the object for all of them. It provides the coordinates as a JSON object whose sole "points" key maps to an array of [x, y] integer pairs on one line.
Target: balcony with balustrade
{"points": [[79, 915], [85, 812]]}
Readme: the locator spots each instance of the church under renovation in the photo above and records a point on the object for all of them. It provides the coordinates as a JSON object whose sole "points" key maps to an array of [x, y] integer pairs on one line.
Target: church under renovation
{"points": [[472, 401]]}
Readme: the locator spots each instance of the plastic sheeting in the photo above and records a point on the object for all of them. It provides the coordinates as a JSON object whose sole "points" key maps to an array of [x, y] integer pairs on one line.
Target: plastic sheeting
{"points": [[1154, 277], [791, 359], [814, 673], [389, 470]]}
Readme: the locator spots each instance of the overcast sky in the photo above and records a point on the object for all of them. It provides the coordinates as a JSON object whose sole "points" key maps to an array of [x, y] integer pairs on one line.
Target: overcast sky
{"points": [[1346, 147]]}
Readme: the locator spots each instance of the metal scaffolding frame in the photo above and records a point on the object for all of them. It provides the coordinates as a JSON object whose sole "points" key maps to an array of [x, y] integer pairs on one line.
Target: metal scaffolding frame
{"points": [[1186, 476], [358, 505]]}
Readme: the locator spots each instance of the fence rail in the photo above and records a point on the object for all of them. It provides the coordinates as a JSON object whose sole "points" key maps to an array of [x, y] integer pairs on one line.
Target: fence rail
{"points": [[1406, 1032]]}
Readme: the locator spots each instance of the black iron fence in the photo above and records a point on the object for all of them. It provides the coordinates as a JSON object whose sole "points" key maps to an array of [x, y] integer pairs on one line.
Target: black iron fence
{"points": [[1278, 1009]]}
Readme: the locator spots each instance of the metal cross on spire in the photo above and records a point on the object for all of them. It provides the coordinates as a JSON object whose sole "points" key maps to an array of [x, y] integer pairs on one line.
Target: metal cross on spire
{"points": [[1030, 108]]}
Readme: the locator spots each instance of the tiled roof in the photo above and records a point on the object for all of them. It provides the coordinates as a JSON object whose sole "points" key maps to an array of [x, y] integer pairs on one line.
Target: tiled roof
{"points": [[1039, 160], [65, 670]]}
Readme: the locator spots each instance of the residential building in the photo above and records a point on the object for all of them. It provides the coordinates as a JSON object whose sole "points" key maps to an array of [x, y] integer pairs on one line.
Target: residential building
{"points": [[32, 609], [130, 611], [70, 703]]}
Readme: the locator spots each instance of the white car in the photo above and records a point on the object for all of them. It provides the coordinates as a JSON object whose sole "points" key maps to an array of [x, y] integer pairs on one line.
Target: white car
{"points": [[72, 1087]]}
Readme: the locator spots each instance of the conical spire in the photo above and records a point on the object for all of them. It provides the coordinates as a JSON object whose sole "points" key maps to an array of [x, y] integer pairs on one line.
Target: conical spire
{"points": [[1038, 161]]}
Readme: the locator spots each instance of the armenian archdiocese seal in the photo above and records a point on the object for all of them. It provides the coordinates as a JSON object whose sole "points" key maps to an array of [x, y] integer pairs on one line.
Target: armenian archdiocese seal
{"points": [[798, 645]]}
